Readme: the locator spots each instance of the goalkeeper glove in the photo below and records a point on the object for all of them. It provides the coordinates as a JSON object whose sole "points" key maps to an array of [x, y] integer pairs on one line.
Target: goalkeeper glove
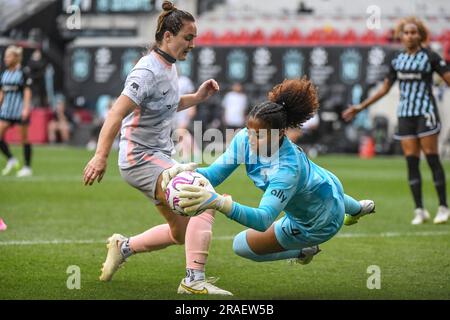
{"points": [[194, 198], [170, 173]]}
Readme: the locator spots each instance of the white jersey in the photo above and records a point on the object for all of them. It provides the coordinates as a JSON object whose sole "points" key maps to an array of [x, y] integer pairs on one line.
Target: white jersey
{"points": [[153, 86]]}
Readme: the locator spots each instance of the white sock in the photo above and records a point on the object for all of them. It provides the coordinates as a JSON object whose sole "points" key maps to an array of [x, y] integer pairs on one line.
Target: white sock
{"points": [[194, 275]]}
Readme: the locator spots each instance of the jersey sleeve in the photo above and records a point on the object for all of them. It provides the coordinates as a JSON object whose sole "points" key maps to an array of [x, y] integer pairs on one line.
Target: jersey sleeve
{"points": [[392, 73], [224, 166], [438, 64], [280, 191], [139, 85]]}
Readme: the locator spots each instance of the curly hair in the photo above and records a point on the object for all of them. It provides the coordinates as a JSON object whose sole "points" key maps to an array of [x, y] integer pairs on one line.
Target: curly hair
{"points": [[171, 19], [423, 30], [291, 103]]}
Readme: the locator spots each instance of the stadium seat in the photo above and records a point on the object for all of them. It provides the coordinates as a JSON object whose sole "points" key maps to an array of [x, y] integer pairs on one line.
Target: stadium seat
{"points": [[278, 37], [258, 37], [294, 37], [349, 37], [206, 38]]}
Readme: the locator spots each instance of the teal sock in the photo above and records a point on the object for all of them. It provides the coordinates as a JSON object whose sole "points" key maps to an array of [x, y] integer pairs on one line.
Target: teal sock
{"points": [[241, 248], [352, 206]]}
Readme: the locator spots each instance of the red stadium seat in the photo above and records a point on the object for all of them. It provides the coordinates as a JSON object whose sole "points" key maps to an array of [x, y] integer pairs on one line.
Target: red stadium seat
{"points": [[37, 132], [228, 38], [258, 37], [278, 37], [294, 37], [206, 38], [369, 37], [349, 37]]}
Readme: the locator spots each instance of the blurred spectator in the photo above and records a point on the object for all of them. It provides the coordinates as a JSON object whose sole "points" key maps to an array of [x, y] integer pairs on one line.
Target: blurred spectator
{"points": [[308, 134], [104, 103], [61, 124], [183, 121], [36, 67], [235, 105]]}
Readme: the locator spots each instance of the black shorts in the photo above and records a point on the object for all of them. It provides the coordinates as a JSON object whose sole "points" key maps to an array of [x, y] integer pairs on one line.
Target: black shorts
{"points": [[20, 122], [417, 127]]}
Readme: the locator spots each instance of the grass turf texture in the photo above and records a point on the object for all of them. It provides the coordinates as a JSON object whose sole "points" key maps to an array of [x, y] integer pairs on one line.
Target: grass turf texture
{"points": [[54, 205]]}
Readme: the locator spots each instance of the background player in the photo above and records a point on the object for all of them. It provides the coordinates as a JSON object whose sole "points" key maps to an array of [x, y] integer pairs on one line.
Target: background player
{"points": [[15, 108], [418, 116]]}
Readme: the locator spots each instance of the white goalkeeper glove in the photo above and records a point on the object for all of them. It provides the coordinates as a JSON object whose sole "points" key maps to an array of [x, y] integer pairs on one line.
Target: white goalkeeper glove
{"points": [[170, 173], [194, 198]]}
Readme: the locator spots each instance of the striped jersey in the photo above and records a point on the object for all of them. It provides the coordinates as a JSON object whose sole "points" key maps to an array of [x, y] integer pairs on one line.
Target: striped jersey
{"points": [[12, 84], [414, 73], [153, 86]]}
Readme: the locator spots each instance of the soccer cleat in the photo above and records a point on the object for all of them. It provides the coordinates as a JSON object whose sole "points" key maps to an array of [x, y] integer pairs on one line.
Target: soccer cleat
{"points": [[421, 216], [24, 172], [367, 207], [12, 163], [306, 255], [3, 225], [114, 259], [441, 215], [202, 287]]}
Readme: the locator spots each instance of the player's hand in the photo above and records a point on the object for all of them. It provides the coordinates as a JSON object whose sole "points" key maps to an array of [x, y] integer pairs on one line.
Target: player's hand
{"points": [[95, 169], [194, 198], [207, 89], [349, 113], [168, 174]]}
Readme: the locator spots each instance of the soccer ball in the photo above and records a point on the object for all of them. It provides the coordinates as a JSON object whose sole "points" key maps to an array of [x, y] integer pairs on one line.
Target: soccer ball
{"points": [[172, 191]]}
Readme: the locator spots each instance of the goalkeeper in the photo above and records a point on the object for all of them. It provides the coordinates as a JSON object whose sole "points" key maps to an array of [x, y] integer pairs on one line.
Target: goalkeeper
{"points": [[312, 198]]}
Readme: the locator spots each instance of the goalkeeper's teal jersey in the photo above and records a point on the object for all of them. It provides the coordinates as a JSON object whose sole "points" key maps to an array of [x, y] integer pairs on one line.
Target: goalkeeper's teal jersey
{"points": [[311, 197]]}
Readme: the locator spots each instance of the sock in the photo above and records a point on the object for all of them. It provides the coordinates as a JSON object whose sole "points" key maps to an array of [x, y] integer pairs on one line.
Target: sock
{"points": [[241, 248], [125, 249], [352, 206], [156, 238], [27, 154], [438, 177], [197, 240], [415, 180], [194, 275], [5, 149]]}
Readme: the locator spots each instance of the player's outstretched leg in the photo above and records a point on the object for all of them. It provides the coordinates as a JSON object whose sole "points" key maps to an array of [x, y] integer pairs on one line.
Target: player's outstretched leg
{"points": [[114, 259], [367, 207]]}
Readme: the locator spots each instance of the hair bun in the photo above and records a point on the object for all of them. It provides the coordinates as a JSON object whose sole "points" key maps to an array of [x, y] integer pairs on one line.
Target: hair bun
{"points": [[168, 6]]}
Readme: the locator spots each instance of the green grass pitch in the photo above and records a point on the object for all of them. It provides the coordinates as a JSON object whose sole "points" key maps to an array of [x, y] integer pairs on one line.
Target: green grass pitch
{"points": [[54, 222]]}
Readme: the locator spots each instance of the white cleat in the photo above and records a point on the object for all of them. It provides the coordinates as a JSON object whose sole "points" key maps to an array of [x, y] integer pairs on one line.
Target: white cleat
{"points": [[441, 215], [367, 207], [24, 172], [306, 255], [202, 287], [114, 259], [421, 216], [12, 163]]}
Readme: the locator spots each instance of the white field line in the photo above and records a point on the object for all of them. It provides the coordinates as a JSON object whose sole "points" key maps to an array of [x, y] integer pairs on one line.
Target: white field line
{"points": [[223, 238]]}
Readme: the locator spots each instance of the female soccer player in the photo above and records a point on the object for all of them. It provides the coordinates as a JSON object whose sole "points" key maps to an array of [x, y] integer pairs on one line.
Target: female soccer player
{"points": [[311, 197], [15, 108], [144, 112], [418, 117]]}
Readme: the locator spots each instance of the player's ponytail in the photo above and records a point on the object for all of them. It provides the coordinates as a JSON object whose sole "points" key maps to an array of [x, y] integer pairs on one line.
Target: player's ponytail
{"points": [[291, 103], [171, 19]]}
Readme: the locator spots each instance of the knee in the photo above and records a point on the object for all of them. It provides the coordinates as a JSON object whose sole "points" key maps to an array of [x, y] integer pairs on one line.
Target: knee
{"points": [[177, 236], [241, 247]]}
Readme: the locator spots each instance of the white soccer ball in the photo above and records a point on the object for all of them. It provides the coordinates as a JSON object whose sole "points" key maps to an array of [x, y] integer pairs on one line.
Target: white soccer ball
{"points": [[173, 191]]}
